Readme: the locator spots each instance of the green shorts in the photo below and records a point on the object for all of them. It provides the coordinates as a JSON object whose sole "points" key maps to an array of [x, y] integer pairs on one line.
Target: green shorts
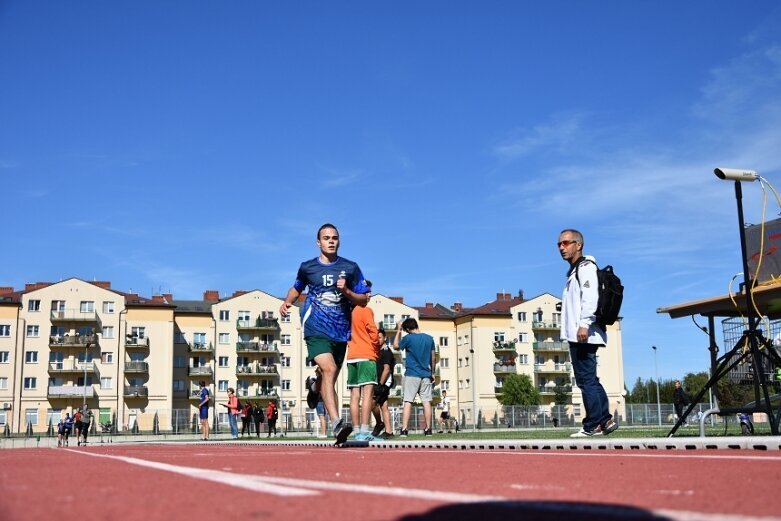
{"points": [[361, 373], [318, 345]]}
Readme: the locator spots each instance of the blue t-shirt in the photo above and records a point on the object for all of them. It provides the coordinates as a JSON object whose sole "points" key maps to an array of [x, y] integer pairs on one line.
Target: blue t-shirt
{"points": [[327, 312], [204, 396], [418, 361]]}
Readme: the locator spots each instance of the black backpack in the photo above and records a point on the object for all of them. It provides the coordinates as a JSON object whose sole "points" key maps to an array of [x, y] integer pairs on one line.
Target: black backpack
{"points": [[611, 294]]}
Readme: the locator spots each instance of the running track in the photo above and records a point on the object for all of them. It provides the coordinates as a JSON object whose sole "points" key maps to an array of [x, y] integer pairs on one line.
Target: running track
{"points": [[211, 481]]}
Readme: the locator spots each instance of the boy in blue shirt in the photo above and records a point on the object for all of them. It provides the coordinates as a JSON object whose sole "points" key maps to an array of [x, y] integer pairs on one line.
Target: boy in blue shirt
{"points": [[335, 285], [418, 372]]}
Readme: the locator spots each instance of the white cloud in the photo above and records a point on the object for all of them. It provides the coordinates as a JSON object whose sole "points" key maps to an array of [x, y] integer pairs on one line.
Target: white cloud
{"points": [[561, 130]]}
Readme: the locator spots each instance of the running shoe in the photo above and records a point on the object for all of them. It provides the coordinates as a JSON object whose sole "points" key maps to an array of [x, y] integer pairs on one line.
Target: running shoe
{"points": [[386, 435], [378, 429], [583, 433], [342, 431], [609, 426], [404, 433], [427, 432], [365, 436]]}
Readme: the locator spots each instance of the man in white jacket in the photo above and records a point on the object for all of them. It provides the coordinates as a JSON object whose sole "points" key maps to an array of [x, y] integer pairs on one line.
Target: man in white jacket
{"points": [[580, 328]]}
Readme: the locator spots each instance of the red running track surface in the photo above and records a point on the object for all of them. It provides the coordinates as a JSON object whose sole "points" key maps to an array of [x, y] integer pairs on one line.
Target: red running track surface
{"points": [[204, 481]]}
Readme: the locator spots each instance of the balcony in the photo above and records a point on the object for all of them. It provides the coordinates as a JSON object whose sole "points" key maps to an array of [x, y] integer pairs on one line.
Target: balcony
{"points": [[546, 326], [136, 367], [134, 343], [550, 346], [204, 370], [70, 391], [546, 389], [504, 347], [505, 368], [72, 366], [498, 389], [260, 324], [267, 393], [136, 391], [390, 328], [76, 340], [197, 347], [553, 368], [257, 370], [256, 347], [74, 315]]}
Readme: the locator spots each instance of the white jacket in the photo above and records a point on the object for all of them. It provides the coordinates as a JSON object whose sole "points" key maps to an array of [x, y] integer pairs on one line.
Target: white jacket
{"points": [[579, 303]]}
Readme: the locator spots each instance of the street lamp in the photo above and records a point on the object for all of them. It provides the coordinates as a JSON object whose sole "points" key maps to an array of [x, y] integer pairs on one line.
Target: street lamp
{"points": [[658, 402]]}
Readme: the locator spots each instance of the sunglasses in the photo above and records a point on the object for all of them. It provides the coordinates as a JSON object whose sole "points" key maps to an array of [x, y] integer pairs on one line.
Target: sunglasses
{"points": [[566, 243]]}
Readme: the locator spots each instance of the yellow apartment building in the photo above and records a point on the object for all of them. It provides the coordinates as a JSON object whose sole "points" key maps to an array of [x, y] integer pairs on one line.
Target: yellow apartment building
{"points": [[138, 361]]}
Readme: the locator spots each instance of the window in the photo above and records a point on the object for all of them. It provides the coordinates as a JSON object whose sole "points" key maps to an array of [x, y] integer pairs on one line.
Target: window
{"points": [[466, 361], [225, 338], [3, 419], [225, 315], [557, 318], [34, 305], [444, 363], [55, 359], [244, 316], [86, 331], [539, 360], [310, 363], [30, 382], [523, 359], [268, 315], [105, 382], [285, 361], [498, 336], [389, 321], [222, 361], [31, 357], [53, 416], [443, 341], [108, 306], [523, 338], [179, 338], [285, 319], [58, 305], [521, 316], [467, 383], [108, 331], [87, 306], [5, 330], [57, 331], [445, 385], [284, 340], [107, 357], [460, 362], [179, 385], [31, 417], [4, 357], [138, 331], [199, 339], [180, 361], [32, 331], [285, 385], [222, 385], [3, 383]]}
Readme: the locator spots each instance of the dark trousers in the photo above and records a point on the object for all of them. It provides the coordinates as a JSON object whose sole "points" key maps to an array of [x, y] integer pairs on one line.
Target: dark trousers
{"points": [[245, 426], [584, 365], [257, 427]]}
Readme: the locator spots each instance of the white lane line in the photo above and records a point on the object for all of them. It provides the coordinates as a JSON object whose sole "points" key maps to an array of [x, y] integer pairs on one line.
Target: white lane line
{"points": [[678, 515], [298, 487], [226, 478]]}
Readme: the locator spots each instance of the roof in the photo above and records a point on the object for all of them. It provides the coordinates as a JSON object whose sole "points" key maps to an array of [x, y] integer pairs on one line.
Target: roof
{"points": [[767, 299], [497, 307], [194, 306], [435, 311]]}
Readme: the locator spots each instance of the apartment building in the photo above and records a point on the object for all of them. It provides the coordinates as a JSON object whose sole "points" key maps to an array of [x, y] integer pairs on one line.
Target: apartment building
{"points": [[138, 361]]}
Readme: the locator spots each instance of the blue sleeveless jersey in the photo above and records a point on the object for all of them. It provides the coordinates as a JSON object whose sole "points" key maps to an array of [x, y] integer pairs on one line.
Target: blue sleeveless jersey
{"points": [[326, 312]]}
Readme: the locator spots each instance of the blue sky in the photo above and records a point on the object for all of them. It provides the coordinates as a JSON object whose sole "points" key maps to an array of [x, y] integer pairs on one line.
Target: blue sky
{"points": [[184, 146]]}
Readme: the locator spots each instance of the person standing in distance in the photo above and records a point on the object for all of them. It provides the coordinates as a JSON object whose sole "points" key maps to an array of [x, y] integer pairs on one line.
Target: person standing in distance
{"points": [[203, 410], [579, 327], [418, 372], [335, 285]]}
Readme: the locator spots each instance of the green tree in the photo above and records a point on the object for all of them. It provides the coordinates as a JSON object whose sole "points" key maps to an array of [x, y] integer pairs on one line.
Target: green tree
{"points": [[693, 383], [518, 389]]}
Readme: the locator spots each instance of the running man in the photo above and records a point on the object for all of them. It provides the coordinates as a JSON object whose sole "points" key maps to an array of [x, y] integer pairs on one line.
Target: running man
{"points": [[335, 286], [362, 353]]}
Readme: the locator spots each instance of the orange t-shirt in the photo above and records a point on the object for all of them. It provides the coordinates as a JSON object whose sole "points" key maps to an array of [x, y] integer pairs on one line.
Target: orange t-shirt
{"points": [[365, 342]]}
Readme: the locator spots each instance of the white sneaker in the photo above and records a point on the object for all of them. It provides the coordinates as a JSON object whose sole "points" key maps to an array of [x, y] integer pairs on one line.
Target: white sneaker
{"points": [[583, 433]]}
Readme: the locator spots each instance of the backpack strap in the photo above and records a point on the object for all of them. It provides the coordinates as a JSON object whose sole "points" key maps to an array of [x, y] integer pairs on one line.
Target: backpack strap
{"points": [[582, 261]]}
